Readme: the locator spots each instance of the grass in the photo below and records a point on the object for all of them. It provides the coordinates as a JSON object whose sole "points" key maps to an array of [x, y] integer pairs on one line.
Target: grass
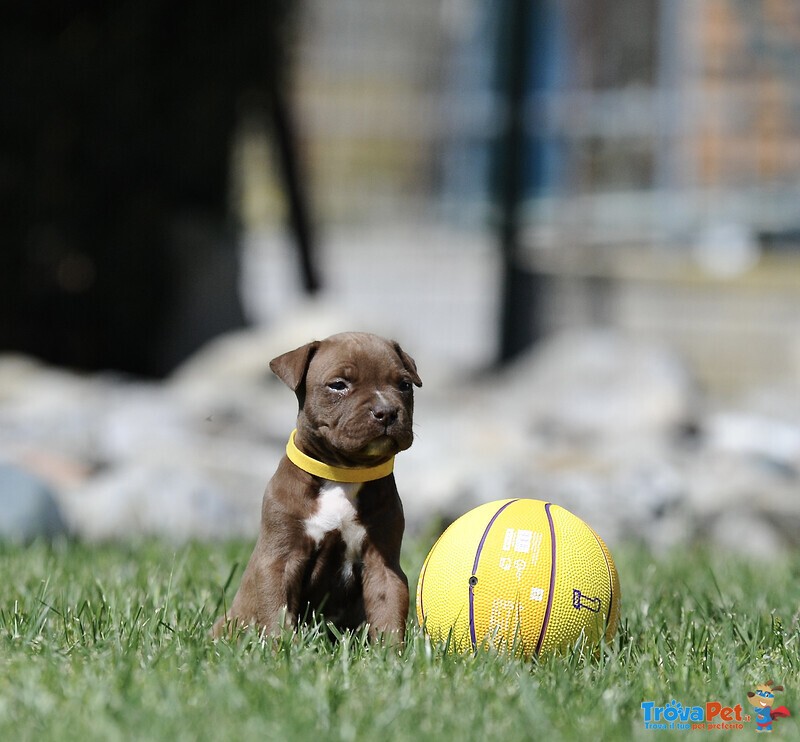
{"points": [[110, 643]]}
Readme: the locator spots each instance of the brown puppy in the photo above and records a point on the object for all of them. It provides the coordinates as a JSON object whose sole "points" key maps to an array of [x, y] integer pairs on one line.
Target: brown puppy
{"points": [[331, 521]]}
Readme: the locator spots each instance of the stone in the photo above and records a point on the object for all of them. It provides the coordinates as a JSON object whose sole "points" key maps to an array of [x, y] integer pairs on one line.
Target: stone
{"points": [[755, 435], [747, 533], [136, 500], [593, 420], [28, 507], [595, 382]]}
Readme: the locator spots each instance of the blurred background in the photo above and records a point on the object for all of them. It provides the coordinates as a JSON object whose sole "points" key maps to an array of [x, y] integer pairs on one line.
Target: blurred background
{"points": [[581, 216]]}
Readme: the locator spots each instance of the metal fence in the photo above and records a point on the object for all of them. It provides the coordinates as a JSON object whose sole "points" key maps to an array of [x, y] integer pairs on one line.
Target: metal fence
{"points": [[661, 160], [651, 118]]}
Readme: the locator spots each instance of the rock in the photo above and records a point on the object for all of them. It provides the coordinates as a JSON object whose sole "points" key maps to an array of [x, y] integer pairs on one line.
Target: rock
{"points": [[241, 358], [49, 410], [16, 373], [723, 480], [589, 419], [28, 508], [601, 383], [747, 533], [137, 500], [775, 400], [751, 434]]}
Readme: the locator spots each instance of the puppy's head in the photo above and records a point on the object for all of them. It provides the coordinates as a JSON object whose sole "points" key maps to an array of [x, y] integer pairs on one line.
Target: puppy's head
{"points": [[356, 396]]}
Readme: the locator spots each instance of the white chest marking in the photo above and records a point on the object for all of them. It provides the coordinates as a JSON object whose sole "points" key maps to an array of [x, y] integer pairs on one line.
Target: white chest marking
{"points": [[336, 512]]}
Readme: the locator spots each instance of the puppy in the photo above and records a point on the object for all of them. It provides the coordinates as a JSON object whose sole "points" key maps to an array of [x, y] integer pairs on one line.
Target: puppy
{"points": [[331, 521]]}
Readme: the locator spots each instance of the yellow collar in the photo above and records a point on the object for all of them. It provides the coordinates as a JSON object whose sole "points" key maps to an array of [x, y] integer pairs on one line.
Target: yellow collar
{"points": [[336, 473]]}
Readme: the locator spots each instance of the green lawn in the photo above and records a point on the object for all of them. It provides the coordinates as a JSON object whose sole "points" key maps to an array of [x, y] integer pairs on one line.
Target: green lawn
{"points": [[110, 643]]}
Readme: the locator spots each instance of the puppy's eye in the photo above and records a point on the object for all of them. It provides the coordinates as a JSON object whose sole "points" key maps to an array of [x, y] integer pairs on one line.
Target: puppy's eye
{"points": [[338, 385], [405, 386]]}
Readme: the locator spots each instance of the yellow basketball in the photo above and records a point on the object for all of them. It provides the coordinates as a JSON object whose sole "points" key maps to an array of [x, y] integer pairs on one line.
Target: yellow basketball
{"points": [[519, 575]]}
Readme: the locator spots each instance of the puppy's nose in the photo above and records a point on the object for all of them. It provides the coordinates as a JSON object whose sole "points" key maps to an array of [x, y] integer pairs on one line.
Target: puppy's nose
{"points": [[384, 413]]}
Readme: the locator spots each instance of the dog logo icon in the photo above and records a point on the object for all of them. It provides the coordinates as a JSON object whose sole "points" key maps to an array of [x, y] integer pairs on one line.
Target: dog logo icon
{"points": [[579, 601], [762, 700]]}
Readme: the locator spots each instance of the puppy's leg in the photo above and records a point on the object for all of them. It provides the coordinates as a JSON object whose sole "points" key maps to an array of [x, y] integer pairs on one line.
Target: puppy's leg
{"points": [[268, 597], [385, 596]]}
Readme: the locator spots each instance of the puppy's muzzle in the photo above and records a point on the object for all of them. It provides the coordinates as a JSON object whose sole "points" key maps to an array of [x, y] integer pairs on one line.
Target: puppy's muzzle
{"points": [[386, 414]]}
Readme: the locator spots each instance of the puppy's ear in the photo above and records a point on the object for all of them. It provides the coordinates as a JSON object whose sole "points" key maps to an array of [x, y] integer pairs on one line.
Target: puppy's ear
{"points": [[291, 367], [409, 364]]}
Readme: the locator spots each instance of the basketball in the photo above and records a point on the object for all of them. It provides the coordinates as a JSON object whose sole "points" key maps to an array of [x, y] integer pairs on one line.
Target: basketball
{"points": [[524, 576]]}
